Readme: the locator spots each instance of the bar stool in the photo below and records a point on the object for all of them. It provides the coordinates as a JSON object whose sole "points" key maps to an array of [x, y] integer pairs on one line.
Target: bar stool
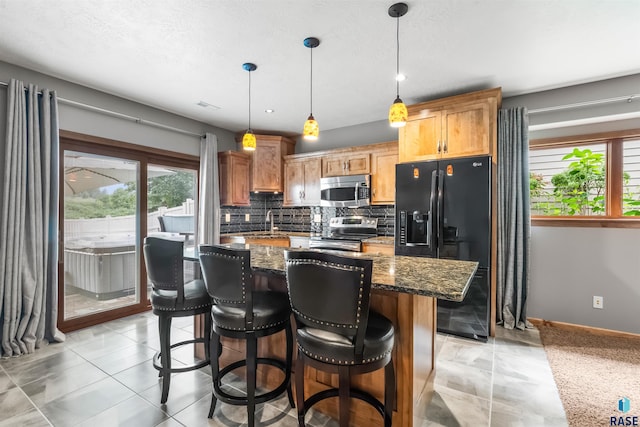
{"points": [[335, 330], [171, 297], [241, 312]]}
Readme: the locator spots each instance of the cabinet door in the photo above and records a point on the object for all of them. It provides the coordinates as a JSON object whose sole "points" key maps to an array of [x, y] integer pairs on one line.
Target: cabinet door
{"points": [[466, 130], [234, 169], [383, 178], [312, 173], [293, 182], [267, 166], [350, 164], [333, 166], [420, 139]]}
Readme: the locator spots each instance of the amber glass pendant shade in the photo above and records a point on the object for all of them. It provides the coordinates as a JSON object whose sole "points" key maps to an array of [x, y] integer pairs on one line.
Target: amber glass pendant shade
{"points": [[311, 129], [249, 141], [398, 114]]}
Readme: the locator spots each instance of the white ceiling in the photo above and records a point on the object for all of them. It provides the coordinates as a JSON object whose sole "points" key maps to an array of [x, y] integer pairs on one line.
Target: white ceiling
{"points": [[171, 54]]}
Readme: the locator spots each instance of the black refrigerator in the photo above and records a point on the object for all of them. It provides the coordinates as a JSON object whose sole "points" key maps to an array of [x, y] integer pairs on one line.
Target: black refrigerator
{"points": [[443, 210]]}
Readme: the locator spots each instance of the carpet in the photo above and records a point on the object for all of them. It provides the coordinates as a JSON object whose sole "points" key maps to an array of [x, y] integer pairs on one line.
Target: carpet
{"points": [[593, 372]]}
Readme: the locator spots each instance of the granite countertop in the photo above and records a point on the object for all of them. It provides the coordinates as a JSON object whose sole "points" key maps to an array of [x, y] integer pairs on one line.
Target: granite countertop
{"points": [[438, 278], [380, 240], [267, 234]]}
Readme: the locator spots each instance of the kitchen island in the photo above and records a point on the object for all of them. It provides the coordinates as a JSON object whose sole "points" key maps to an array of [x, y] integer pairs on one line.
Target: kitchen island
{"points": [[405, 290]]}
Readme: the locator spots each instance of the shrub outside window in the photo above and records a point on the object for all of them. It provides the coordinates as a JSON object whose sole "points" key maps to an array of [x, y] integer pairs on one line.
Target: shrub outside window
{"points": [[588, 178]]}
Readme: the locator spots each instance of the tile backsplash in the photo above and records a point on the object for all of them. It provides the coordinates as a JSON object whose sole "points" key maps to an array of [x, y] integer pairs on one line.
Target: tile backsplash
{"points": [[299, 219]]}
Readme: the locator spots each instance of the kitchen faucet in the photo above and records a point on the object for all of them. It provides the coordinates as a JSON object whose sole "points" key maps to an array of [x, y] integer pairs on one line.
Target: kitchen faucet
{"points": [[269, 217]]}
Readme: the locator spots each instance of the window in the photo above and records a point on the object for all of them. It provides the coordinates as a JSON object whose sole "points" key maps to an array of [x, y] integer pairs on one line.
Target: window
{"points": [[591, 180]]}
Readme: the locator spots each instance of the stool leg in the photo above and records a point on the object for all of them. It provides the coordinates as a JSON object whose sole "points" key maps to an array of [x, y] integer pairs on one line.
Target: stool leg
{"points": [[207, 337], [252, 350], [289, 363], [164, 324], [299, 376], [214, 350], [389, 393], [343, 393]]}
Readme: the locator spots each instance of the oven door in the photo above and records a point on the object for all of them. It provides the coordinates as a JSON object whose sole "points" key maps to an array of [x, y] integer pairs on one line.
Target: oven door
{"points": [[345, 191]]}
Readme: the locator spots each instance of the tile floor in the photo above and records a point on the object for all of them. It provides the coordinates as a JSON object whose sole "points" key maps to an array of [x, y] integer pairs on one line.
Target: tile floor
{"points": [[103, 376]]}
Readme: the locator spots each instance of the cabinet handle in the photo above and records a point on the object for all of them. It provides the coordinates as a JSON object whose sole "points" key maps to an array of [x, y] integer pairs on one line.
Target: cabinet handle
{"points": [[438, 146], [373, 192], [304, 195], [446, 149]]}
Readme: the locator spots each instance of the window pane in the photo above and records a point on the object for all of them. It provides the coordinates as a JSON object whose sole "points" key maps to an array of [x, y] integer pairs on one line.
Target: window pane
{"points": [[568, 180], [631, 178], [171, 205], [100, 226]]}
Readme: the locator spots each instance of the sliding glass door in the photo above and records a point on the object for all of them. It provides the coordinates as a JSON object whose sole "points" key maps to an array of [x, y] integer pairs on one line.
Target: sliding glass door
{"points": [[100, 203], [112, 198]]}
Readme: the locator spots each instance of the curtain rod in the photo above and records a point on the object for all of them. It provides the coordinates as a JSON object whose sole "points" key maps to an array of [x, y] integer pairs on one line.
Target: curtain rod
{"points": [[120, 115], [628, 98]]}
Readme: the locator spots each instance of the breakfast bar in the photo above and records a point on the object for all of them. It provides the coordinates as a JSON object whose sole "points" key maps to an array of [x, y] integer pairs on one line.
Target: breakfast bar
{"points": [[405, 290]]}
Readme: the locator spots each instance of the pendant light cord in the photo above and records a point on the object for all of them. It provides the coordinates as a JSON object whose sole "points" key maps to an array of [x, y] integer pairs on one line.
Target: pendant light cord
{"points": [[311, 86], [397, 56], [249, 100]]}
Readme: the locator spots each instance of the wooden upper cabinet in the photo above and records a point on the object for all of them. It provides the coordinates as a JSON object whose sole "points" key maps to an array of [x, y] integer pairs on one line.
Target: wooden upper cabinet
{"points": [[267, 162], [346, 164], [465, 130], [419, 138], [458, 126], [234, 171], [383, 177], [302, 181]]}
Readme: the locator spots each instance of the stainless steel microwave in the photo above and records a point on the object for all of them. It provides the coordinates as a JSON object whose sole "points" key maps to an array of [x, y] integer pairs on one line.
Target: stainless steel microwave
{"points": [[345, 191]]}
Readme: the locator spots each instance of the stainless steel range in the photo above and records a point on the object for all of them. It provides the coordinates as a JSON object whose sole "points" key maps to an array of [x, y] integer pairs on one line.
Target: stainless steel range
{"points": [[345, 233]]}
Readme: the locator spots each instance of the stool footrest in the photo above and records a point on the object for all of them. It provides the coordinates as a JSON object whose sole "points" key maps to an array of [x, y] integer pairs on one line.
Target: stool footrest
{"points": [[158, 365], [259, 398], [353, 392]]}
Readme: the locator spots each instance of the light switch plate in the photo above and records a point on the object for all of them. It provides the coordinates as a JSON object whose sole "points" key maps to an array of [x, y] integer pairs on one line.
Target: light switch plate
{"points": [[246, 217], [227, 217]]}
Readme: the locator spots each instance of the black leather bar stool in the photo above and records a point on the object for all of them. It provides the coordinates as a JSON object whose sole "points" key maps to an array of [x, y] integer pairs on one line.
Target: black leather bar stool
{"points": [[172, 297], [335, 330], [241, 312]]}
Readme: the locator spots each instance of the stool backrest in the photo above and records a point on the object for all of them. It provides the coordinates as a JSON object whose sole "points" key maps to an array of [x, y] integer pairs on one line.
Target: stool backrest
{"points": [[330, 292], [164, 262], [227, 275]]}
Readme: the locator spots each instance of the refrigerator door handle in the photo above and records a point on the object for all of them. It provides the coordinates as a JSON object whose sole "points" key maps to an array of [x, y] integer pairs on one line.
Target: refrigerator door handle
{"points": [[440, 221], [430, 234]]}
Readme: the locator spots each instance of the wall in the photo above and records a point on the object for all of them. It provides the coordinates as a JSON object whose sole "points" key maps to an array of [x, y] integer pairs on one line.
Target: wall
{"points": [[296, 218], [363, 134], [98, 124], [571, 265]]}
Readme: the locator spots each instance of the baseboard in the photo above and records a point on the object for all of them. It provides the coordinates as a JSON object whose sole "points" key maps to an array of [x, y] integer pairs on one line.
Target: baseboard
{"points": [[583, 328]]}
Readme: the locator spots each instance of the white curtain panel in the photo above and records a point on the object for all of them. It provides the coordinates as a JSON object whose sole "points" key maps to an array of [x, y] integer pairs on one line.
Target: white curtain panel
{"points": [[29, 221], [209, 201]]}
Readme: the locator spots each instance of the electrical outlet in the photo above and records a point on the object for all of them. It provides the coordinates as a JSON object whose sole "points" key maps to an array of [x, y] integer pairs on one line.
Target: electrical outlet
{"points": [[317, 218], [246, 218], [227, 217], [598, 302]]}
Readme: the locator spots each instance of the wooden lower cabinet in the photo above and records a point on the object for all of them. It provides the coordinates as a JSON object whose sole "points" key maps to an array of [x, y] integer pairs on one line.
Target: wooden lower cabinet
{"points": [[414, 319], [378, 248]]}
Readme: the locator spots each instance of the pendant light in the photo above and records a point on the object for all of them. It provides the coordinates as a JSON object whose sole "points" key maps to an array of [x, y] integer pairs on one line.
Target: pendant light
{"points": [[249, 139], [311, 129], [398, 113]]}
